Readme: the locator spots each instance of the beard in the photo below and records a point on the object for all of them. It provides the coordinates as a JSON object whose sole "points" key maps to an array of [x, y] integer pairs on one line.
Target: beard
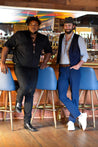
{"points": [[69, 31]]}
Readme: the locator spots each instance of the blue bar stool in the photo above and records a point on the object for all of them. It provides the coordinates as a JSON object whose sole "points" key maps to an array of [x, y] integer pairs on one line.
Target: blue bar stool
{"points": [[7, 84], [46, 82], [88, 82]]}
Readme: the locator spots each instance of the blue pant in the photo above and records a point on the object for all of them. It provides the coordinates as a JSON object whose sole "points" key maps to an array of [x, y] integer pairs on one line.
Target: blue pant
{"points": [[69, 76], [27, 78]]}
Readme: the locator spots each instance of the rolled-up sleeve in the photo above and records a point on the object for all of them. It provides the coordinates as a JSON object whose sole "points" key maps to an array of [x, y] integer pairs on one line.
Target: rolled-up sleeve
{"points": [[83, 49], [47, 46]]}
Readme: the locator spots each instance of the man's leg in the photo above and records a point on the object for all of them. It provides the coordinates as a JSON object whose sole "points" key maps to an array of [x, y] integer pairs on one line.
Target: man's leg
{"points": [[74, 86], [63, 83], [22, 75], [29, 96], [62, 89], [27, 78], [33, 75]]}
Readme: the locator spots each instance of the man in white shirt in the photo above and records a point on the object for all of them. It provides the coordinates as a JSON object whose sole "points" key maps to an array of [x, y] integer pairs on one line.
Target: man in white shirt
{"points": [[72, 54]]}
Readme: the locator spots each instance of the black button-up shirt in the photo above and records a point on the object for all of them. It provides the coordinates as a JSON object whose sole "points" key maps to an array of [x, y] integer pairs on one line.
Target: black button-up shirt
{"points": [[22, 45]]}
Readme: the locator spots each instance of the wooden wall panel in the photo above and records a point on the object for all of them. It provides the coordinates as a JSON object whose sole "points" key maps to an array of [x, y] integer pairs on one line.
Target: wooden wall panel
{"points": [[85, 5]]}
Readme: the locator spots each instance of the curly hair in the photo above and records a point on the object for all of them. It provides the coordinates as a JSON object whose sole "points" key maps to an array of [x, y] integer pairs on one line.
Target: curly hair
{"points": [[32, 18]]}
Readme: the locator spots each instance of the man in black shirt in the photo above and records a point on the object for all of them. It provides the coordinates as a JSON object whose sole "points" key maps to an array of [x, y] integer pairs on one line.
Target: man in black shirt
{"points": [[27, 47]]}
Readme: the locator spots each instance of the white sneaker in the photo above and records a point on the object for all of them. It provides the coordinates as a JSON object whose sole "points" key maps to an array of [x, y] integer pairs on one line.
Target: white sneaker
{"points": [[71, 126], [83, 121]]}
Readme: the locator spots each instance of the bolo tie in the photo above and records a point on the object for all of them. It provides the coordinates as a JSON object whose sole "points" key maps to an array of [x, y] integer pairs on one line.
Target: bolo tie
{"points": [[33, 45]]}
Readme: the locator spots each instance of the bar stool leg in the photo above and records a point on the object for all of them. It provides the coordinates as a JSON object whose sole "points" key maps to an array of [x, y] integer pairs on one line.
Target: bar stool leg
{"points": [[85, 97], [93, 108], [6, 104], [61, 108], [53, 109], [81, 106], [11, 117], [96, 94], [0, 92], [44, 104], [37, 105], [81, 94]]}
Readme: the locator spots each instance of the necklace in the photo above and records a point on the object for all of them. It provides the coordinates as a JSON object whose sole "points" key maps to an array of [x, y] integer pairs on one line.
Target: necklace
{"points": [[67, 39], [33, 42]]}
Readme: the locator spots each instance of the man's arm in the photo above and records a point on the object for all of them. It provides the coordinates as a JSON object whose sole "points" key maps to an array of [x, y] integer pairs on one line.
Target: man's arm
{"points": [[46, 59], [4, 54], [83, 53], [48, 51]]}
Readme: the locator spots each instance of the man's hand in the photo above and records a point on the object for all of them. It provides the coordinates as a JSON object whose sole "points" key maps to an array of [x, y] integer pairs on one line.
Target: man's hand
{"points": [[46, 59], [43, 65], [77, 66], [4, 68]]}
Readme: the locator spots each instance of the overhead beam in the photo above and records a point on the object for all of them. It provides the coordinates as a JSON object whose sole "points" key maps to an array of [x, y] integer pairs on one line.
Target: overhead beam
{"points": [[54, 4]]}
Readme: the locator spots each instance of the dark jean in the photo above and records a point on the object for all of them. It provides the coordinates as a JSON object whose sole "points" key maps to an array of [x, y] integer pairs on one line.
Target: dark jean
{"points": [[69, 76], [27, 78]]}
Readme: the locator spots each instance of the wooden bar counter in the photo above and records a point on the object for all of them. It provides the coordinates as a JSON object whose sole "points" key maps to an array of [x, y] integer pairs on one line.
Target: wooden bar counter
{"points": [[10, 64]]}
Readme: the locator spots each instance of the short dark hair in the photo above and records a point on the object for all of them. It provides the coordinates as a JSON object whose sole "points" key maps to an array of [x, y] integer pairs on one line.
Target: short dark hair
{"points": [[69, 20], [32, 18]]}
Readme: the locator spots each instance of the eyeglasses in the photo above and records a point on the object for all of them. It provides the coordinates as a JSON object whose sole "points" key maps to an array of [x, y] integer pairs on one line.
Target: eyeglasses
{"points": [[35, 25]]}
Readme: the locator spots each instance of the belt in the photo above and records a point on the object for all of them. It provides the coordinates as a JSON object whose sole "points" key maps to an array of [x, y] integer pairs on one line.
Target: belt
{"points": [[64, 65]]}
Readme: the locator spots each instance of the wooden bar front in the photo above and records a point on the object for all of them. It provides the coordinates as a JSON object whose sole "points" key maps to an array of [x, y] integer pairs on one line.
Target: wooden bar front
{"points": [[48, 114]]}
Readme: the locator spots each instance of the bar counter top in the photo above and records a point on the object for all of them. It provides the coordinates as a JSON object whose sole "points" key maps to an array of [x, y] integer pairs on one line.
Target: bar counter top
{"points": [[94, 63]]}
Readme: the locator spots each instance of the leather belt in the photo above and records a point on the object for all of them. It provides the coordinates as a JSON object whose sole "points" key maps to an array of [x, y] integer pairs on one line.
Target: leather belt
{"points": [[64, 65]]}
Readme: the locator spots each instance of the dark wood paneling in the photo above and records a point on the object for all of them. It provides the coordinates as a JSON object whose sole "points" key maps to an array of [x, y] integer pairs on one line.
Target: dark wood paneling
{"points": [[87, 5]]}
